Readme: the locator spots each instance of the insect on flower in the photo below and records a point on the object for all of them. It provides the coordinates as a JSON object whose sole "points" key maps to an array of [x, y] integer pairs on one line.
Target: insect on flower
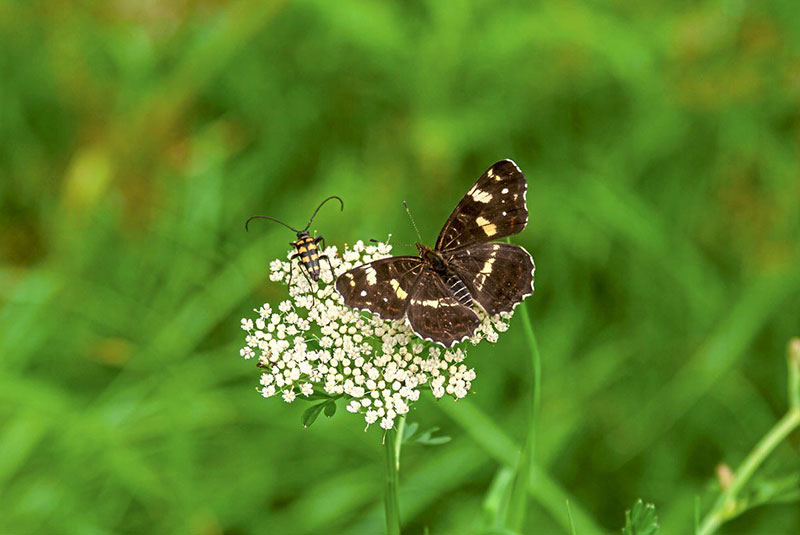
{"points": [[313, 346], [436, 290], [305, 246]]}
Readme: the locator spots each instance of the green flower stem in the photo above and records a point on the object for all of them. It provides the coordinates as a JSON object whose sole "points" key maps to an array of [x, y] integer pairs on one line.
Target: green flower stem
{"points": [[517, 502], [536, 365], [392, 445], [726, 506]]}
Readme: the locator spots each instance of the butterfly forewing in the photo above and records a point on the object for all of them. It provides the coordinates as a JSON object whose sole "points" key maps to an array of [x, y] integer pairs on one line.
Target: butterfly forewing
{"points": [[435, 315], [497, 275], [383, 287], [431, 290], [494, 207]]}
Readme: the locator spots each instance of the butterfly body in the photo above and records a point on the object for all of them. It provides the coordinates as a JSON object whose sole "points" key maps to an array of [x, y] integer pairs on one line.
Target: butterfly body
{"points": [[436, 262], [436, 290]]}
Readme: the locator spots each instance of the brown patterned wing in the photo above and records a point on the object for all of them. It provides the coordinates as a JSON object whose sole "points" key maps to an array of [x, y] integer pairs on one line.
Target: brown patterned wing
{"points": [[498, 275], [382, 287], [435, 315], [494, 207]]}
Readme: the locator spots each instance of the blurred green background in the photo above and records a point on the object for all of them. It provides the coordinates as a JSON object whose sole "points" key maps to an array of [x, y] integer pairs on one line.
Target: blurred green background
{"points": [[660, 141]]}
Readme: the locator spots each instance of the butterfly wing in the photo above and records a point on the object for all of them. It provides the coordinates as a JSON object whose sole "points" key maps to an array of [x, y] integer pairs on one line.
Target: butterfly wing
{"points": [[382, 287], [497, 275], [435, 315], [494, 207]]}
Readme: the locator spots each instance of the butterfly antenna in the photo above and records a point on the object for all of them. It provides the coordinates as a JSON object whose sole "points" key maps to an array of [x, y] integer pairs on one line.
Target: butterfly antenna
{"points": [[320, 206], [388, 239], [412, 221], [271, 219], [373, 240]]}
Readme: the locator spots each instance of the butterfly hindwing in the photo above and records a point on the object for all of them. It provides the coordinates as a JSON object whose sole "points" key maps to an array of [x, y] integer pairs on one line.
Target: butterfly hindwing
{"points": [[493, 208], [435, 315], [435, 290], [497, 275], [383, 287]]}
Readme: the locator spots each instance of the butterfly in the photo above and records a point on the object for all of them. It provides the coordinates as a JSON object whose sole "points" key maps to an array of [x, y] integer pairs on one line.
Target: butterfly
{"points": [[436, 290]]}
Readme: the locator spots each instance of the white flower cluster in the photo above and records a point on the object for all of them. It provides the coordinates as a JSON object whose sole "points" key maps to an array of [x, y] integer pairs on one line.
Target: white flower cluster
{"points": [[315, 345]]}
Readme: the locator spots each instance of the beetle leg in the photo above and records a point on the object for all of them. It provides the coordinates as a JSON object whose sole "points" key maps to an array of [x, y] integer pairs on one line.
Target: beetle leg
{"points": [[310, 286], [330, 266]]}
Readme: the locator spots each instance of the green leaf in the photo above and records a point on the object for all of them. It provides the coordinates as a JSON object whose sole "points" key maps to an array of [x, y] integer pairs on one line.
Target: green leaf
{"points": [[409, 430], [496, 531], [641, 520], [330, 408], [572, 530], [311, 413], [784, 489], [495, 500], [518, 497], [434, 441], [427, 439], [315, 396]]}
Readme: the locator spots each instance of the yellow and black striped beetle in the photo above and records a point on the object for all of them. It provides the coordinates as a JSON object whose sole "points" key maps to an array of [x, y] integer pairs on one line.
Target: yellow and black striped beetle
{"points": [[306, 247]]}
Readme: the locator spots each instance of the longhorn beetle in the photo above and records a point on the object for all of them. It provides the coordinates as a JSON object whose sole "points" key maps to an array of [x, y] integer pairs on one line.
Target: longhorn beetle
{"points": [[305, 246]]}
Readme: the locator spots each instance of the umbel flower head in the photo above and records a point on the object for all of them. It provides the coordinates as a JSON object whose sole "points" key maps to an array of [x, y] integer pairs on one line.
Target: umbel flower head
{"points": [[313, 346]]}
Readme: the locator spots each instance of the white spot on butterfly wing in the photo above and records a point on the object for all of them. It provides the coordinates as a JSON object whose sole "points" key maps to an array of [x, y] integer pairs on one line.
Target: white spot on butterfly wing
{"points": [[363, 293], [481, 196], [505, 190], [401, 293], [372, 276], [489, 228]]}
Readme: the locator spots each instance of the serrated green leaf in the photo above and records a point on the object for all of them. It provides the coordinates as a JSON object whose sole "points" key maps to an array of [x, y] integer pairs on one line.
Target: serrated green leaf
{"points": [[311, 413], [330, 408], [641, 520]]}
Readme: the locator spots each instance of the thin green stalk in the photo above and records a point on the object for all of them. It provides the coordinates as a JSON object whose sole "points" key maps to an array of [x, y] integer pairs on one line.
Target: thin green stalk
{"points": [[392, 445], [536, 365], [515, 514], [571, 523], [726, 506]]}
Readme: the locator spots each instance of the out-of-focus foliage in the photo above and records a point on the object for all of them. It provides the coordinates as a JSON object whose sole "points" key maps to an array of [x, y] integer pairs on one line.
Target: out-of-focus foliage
{"points": [[641, 520], [661, 145]]}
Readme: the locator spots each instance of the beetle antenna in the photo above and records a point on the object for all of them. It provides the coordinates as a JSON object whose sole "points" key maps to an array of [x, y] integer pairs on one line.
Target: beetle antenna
{"points": [[271, 219], [320, 206], [412, 220]]}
